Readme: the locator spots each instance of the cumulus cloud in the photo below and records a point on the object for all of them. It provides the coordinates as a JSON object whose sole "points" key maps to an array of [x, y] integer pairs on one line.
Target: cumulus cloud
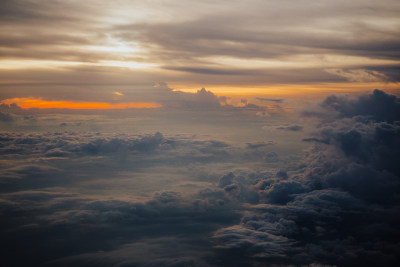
{"points": [[378, 106], [85, 225], [88, 199], [341, 206], [5, 117]]}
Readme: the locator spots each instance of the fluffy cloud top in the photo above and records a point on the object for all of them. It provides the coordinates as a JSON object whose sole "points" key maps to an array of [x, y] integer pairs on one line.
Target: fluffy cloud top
{"points": [[87, 199], [341, 206]]}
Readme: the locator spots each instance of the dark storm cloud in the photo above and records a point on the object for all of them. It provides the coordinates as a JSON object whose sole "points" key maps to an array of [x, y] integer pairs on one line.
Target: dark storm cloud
{"points": [[341, 207], [46, 222], [338, 206], [85, 225], [377, 106]]}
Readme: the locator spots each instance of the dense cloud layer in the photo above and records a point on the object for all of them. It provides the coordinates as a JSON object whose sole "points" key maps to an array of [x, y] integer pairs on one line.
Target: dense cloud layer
{"points": [[342, 206], [94, 199], [87, 199]]}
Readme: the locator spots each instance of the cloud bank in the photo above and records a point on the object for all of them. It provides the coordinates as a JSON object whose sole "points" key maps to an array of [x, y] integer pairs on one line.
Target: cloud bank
{"points": [[97, 199], [341, 206]]}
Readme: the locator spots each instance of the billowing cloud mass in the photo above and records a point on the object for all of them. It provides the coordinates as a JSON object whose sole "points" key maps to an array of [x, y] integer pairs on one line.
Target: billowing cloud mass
{"points": [[341, 206], [98, 199], [199, 133]]}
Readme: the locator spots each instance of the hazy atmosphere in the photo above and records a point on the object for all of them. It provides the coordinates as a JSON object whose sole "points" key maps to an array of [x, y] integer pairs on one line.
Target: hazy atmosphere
{"points": [[199, 133]]}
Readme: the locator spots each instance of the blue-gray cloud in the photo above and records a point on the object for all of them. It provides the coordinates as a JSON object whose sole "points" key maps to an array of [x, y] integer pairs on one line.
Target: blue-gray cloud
{"points": [[293, 128], [337, 206], [340, 207]]}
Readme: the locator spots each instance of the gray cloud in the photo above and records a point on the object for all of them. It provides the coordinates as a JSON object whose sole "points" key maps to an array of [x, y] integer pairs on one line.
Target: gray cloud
{"points": [[5, 117], [209, 71], [294, 128], [340, 207], [278, 100], [39, 30], [94, 222], [90, 199], [387, 107]]}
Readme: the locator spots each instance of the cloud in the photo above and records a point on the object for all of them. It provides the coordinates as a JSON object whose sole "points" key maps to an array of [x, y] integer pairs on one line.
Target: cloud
{"points": [[202, 99], [294, 128], [277, 100], [154, 96], [5, 117], [360, 75], [93, 199], [209, 71], [170, 251], [61, 220], [10, 108], [386, 106], [340, 206], [47, 49]]}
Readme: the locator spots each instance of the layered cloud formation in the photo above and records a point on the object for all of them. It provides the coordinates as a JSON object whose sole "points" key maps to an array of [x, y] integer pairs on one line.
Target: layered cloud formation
{"points": [[91, 199], [341, 206], [62, 50]]}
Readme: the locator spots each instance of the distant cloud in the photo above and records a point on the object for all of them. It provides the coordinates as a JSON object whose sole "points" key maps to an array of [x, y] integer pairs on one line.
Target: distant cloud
{"points": [[294, 128], [378, 106], [278, 100], [360, 75], [260, 144], [209, 71], [6, 117], [343, 183], [45, 47], [220, 203]]}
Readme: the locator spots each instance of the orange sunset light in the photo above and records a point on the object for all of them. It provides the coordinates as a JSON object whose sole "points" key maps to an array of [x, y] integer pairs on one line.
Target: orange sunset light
{"points": [[27, 103]]}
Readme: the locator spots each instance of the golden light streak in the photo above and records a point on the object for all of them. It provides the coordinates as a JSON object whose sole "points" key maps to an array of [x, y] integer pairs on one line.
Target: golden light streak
{"points": [[27, 103], [277, 90]]}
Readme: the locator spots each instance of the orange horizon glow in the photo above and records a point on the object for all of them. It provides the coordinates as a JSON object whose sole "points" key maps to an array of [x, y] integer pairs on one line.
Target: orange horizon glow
{"points": [[276, 90], [28, 103]]}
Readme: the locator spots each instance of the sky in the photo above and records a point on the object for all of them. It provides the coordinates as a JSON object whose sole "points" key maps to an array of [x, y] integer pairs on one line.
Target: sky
{"points": [[199, 133]]}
